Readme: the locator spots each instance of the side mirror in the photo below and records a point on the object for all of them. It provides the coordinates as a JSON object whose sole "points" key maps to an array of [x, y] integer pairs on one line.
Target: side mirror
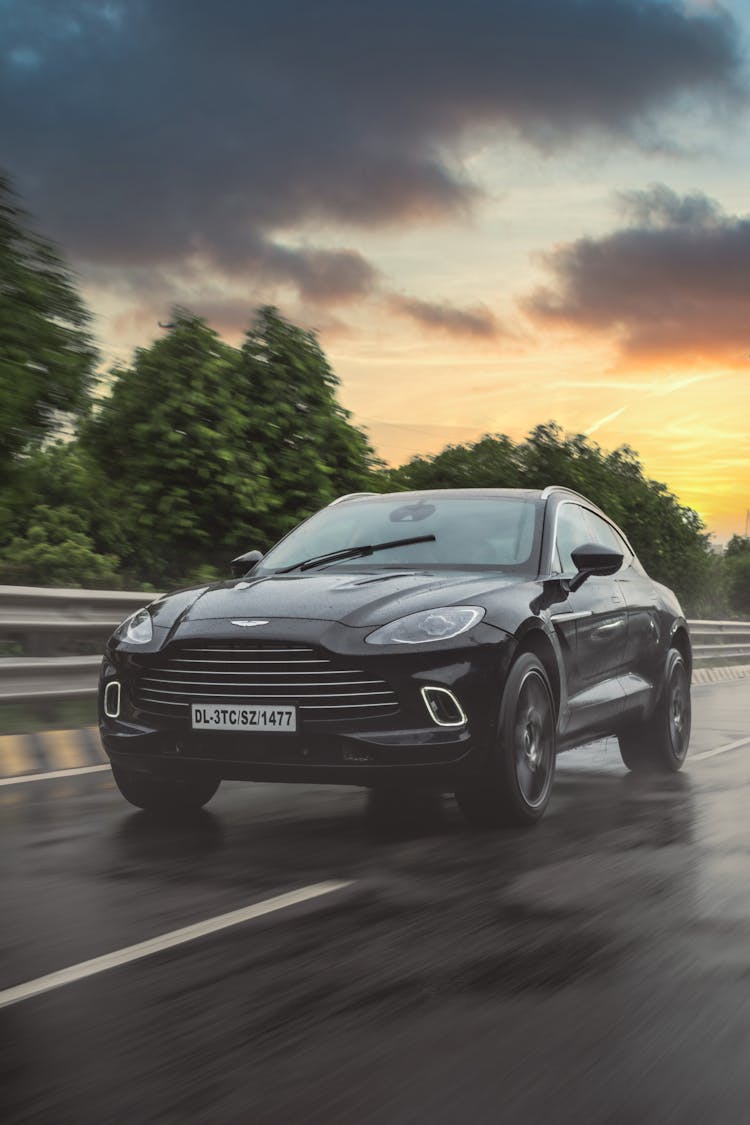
{"points": [[243, 563], [593, 558]]}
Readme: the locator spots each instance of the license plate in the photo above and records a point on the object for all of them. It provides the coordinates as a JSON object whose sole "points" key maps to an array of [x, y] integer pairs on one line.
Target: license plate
{"points": [[265, 717]]}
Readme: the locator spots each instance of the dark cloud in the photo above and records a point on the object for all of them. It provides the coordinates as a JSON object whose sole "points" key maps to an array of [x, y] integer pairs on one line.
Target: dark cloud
{"points": [[161, 131], [674, 281], [477, 321], [321, 276]]}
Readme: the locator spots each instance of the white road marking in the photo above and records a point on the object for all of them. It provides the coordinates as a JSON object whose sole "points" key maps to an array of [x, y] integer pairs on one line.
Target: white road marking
{"points": [[165, 941], [47, 775], [719, 750]]}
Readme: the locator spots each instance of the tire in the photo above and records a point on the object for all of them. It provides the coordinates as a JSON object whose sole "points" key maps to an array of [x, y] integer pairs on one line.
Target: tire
{"points": [[660, 743], [516, 785], [167, 795]]}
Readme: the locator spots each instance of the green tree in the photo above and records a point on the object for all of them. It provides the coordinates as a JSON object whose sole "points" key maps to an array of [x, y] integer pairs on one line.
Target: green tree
{"points": [[738, 547], [180, 488], [54, 515], [46, 354], [56, 549], [311, 451], [737, 563]]}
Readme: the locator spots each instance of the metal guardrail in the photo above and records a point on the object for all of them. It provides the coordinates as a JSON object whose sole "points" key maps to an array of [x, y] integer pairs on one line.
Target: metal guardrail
{"points": [[37, 619], [720, 642]]}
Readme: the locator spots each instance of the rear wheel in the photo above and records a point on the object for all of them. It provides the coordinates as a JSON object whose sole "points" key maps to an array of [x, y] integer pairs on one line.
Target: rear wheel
{"points": [[660, 743], [517, 784], [168, 795]]}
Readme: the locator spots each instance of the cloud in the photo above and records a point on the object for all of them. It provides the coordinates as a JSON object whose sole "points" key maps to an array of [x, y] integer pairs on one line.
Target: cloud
{"points": [[600, 422], [159, 134], [477, 321], [321, 276], [673, 282]]}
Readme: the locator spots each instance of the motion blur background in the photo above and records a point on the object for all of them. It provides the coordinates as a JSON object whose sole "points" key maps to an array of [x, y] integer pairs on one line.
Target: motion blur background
{"points": [[256, 255], [493, 215]]}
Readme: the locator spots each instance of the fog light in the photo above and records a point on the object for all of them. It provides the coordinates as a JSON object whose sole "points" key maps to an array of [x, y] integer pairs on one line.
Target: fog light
{"points": [[112, 700], [443, 707]]}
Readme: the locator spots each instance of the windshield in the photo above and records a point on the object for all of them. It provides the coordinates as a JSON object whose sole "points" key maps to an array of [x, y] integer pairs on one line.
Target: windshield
{"points": [[490, 532]]}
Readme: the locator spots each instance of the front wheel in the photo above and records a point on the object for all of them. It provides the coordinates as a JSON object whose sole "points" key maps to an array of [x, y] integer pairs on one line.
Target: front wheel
{"points": [[659, 744], [167, 795], [515, 789]]}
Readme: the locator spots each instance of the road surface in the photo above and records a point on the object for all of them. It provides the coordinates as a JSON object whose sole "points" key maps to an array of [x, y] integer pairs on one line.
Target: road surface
{"points": [[594, 969]]}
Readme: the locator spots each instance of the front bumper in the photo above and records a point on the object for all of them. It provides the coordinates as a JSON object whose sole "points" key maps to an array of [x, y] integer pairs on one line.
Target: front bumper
{"points": [[352, 758], [403, 747]]}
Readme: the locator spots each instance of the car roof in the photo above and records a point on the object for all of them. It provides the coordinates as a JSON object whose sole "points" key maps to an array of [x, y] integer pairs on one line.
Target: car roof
{"points": [[478, 493]]}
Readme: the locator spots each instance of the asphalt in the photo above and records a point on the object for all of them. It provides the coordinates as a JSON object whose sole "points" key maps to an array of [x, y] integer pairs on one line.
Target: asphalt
{"points": [[593, 969]]}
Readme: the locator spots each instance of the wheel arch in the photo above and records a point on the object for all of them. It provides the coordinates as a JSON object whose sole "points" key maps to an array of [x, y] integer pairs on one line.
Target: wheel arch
{"points": [[536, 641], [681, 641]]}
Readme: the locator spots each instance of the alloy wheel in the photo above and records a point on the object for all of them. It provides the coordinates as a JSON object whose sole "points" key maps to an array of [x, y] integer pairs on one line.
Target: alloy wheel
{"points": [[533, 740]]}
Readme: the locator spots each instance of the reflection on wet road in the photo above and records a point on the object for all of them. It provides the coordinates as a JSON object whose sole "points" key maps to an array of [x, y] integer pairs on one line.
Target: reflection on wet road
{"points": [[595, 969]]}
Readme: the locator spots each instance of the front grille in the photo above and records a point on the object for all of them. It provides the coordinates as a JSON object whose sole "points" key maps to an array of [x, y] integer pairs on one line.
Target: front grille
{"points": [[262, 672]]}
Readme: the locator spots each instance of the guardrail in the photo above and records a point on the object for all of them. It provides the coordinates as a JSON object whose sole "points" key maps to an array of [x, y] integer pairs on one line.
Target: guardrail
{"points": [[720, 642], [38, 620], [41, 623]]}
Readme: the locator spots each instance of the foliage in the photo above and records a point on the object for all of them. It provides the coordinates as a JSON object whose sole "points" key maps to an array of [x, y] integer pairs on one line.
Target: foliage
{"points": [[738, 574], [203, 451], [52, 523], [46, 355], [56, 550], [738, 547], [181, 487], [311, 451], [669, 538]]}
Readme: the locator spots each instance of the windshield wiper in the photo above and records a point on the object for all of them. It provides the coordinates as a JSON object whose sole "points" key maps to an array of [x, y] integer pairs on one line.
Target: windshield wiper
{"points": [[354, 552]]}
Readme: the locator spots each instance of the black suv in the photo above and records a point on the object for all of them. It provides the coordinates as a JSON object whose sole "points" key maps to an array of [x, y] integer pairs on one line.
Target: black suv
{"points": [[454, 639]]}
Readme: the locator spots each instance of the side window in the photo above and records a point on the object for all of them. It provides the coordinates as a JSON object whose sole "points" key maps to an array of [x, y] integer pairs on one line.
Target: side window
{"points": [[573, 530], [603, 533]]}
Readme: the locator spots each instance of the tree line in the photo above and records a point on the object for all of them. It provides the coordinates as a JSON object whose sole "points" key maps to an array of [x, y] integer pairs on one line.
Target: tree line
{"points": [[159, 472]]}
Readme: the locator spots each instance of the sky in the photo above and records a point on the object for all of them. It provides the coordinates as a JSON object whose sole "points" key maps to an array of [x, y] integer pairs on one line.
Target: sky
{"points": [[494, 214]]}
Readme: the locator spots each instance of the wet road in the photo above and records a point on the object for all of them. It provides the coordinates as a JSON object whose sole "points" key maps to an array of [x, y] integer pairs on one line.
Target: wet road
{"points": [[594, 969]]}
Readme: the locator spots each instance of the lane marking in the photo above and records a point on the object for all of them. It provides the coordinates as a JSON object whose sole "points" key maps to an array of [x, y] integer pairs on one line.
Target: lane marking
{"points": [[719, 750], [166, 941], [47, 775]]}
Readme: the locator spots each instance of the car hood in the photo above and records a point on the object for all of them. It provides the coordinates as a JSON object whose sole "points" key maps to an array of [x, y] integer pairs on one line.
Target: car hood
{"points": [[358, 600]]}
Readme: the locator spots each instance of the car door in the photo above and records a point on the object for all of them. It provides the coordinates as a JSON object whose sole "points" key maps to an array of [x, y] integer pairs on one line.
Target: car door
{"points": [[597, 612], [645, 645]]}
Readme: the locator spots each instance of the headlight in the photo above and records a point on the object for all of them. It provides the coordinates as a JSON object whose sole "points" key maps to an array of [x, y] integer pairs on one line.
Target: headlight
{"points": [[138, 628], [428, 626]]}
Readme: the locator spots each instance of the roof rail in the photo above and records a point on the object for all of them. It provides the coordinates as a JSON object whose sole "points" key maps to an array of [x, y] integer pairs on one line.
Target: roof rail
{"points": [[547, 492], [351, 496], [572, 492]]}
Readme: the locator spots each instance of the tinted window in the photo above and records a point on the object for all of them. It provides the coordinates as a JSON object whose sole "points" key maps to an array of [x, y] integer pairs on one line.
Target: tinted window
{"points": [[572, 531], [603, 533], [491, 532]]}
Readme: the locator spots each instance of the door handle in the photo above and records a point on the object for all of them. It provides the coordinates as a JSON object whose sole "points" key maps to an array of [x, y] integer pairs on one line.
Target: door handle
{"points": [[610, 626], [574, 615]]}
